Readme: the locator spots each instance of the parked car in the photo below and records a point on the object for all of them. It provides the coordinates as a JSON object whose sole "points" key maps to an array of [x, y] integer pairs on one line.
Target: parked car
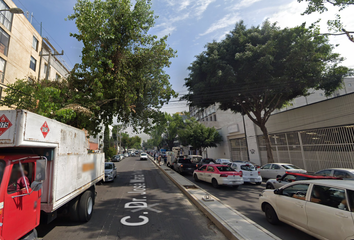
{"points": [[121, 157], [289, 177], [110, 171], [143, 156], [126, 155], [250, 174], [183, 165], [321, 208], [276, 170], [222, 161], [205, 161], [344, 173], [115, 158], [218, 174]]}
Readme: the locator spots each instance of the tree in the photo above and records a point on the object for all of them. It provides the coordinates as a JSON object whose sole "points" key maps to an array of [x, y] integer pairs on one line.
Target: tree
{"points": [[148, 144], [121, 71], [257, 70], [173, 124], [335, 25], [106, 142], [199, 136]]}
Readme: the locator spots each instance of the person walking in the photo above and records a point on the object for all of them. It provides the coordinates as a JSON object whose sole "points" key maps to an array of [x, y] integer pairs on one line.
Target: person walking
{"points": [[159, 160]]}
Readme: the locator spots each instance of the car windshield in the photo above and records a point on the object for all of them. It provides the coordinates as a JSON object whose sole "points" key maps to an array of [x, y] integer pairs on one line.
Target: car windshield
{"points": [[207, 160], [143, 154], [197, 159], [290, 166], [247, 167], [184, 160], [108, 166], [225, 169]]}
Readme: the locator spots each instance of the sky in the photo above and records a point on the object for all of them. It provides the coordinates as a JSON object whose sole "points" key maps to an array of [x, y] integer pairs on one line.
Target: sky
{"points": [[190, 24]]}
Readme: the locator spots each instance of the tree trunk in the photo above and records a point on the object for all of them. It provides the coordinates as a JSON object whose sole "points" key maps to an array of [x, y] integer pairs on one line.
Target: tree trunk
{"points": [[268, 144]]}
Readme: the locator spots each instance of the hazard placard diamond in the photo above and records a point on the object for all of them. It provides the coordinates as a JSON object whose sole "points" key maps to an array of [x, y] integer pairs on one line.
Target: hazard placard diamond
{"points": [[45, 129], [4, 124]]}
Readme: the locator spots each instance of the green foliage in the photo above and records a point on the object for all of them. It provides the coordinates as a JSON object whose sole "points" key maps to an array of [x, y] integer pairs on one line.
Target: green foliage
{"points": [[130, 142], [110, 152], [321, 6], [121, 71], [199, 136], [257, 70], [149, 144]]}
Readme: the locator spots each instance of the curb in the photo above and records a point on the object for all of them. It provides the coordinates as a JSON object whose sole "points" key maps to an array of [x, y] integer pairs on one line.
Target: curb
{"points": [[223, 226]]}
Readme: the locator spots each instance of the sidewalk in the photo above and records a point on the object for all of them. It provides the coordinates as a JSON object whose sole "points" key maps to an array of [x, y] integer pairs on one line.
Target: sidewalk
{"points": [[233, 224]]}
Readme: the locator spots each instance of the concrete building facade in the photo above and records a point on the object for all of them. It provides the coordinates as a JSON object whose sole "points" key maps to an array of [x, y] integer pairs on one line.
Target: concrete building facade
{"points": [[21, 47]]}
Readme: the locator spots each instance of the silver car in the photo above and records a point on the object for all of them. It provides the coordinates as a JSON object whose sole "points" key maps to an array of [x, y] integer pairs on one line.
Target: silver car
{"points": [[110, 172], [344, 173]]}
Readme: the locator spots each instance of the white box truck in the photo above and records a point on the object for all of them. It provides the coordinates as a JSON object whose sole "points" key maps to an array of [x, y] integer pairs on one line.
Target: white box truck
{"points": [[45, 168]]}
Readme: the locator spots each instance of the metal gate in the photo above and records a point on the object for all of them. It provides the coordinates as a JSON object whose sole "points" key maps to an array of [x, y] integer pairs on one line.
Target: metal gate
{"points": [[313, 149], [238, 149]]}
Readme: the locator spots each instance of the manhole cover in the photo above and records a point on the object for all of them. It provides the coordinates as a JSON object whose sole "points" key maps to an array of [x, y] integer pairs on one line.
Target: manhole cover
{"points": [[190, 186]]}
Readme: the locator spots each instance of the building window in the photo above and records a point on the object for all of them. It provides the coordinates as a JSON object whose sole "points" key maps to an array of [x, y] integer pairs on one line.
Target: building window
{"points": [[5, 16], [211, 118], [45, 69], [4, 42], [57, 77], [35, 43], [2, 74], [321, 94], [215, 118], [33, 63], [30, 80], [350, 84]]}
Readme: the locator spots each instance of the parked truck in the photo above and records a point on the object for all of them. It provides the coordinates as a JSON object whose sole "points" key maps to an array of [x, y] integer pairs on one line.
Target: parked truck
{"points": [[45, 169]]}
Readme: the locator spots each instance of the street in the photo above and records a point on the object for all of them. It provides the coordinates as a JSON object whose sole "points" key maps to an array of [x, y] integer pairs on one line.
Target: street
{"points": [[245, 200], [141, 203]]}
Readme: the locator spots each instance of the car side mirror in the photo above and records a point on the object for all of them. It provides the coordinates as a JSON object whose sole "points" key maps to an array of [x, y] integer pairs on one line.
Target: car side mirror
{"points": [[278, 179], [36, 186], [277, 191]]}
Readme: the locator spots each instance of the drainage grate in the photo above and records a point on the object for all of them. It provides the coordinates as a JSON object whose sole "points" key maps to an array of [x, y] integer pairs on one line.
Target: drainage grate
{"points": [[190, 186]]}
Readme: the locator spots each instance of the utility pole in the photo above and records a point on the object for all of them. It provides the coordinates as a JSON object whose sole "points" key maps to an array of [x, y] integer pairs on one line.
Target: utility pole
{"points": [[244, 129], [49, 57]]}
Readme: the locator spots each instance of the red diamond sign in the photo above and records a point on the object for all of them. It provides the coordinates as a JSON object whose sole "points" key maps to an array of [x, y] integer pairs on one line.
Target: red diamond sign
{"points": [[4, 124], [45, 129]]}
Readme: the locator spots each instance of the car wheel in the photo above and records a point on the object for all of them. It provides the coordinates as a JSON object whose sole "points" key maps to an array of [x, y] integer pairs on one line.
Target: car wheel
{"points": [[269, 186], [196, 177], [258, 183], [215, 183], [271, 215]]}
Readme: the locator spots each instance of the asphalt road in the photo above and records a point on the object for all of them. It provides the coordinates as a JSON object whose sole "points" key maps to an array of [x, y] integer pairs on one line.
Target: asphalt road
{"points": [[141, 203], [245, 200]]}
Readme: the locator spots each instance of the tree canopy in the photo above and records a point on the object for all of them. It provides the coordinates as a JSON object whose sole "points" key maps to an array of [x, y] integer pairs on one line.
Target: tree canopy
{"points": [[199, 136], [121, 73], [336, 24], [257, 70]]}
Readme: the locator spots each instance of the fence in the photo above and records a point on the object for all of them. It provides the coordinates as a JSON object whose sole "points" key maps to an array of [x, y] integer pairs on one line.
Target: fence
{"points": [[313, 149]]}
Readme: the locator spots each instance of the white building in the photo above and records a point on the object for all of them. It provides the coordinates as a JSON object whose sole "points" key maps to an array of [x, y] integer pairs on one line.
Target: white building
{"points": [[232, 127]]}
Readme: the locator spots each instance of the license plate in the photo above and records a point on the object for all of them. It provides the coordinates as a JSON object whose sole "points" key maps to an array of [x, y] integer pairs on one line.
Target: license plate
{"points": [[252, 179]]}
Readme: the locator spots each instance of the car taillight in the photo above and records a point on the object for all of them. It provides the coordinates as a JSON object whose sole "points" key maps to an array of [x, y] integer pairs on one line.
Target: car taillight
{"points": [[181, 165], [223, 175], [259, 173], [196, 165], [240, 173]]}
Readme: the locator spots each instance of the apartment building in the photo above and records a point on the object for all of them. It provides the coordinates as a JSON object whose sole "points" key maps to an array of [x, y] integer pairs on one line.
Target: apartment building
{"points": [[24, 53], [243, 140]]}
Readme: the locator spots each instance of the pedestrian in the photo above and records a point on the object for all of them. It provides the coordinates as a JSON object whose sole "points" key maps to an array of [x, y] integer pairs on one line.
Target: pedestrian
{"points": [[165, 159], [159, 160]]}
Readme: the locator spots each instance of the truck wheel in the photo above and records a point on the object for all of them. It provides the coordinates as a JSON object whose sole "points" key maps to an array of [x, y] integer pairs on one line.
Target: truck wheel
{"points": [[73, 210], [85, 206], [269, 186]]}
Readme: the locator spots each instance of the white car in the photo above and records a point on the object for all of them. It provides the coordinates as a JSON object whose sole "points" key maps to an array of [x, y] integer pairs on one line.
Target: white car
{"points": [[222, 161], [249, 172], [276, 170], [143, 156], [218, 174], [110, 171], [321, 208]]}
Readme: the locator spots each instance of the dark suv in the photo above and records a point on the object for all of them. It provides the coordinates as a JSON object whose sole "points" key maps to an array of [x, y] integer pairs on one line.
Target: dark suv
{"points": [[204, 161], [183, 165]]}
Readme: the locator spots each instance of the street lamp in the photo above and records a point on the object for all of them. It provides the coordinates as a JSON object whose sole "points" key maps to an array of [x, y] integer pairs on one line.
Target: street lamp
{"points": [[12, 10]]}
